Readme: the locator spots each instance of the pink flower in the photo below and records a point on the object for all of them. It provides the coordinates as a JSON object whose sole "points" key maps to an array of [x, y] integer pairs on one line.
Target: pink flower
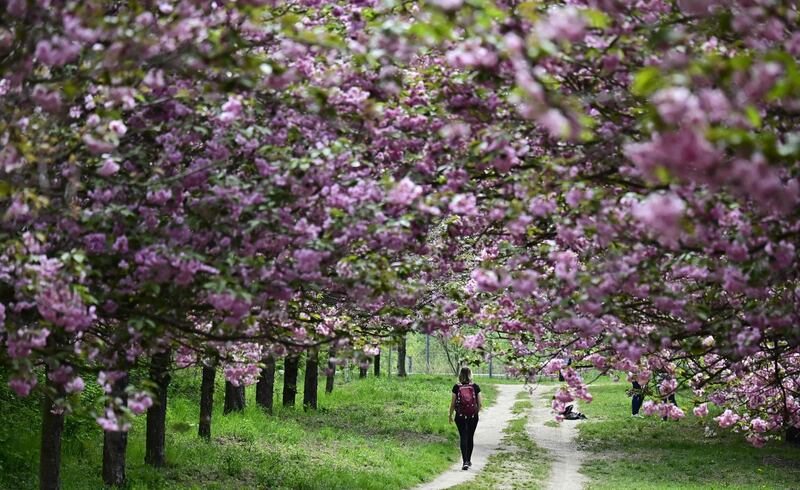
{"points": [[566, 264], [21, 386], [668, 386], [404, 193], [464, 204], [701, 410], [118, 127], [727, 419], [76, 385], [139, 403], [649, 408], [674, 413], [562, 23], [662, 214], [489, 281], [564, 396], [474, 341], [759, 425], [677, 105], [109, 168]]}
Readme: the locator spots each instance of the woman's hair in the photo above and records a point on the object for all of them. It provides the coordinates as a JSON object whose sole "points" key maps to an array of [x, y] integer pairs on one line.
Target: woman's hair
{"points": [[465, 376]]}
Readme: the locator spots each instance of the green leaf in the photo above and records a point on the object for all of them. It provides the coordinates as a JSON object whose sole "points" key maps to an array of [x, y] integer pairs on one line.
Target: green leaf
{"points": [[597, 19], [753, 116], [647, 81]]}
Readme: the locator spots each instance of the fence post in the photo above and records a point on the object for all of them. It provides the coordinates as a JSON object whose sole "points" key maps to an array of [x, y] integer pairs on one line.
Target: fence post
{"points": [[427, 353], [490, 366]]}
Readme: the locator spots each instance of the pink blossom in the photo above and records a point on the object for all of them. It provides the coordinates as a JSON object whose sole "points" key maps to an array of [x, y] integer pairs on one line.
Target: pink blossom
{"points": [[109, 168], [562, 23], [76, 385], [22, 386], [139, 403], [668, 386], [118, 127], [650, 408], [488, 280], [566, 264], [727, 419], [474, 342], [677, 105], [464, 204], [662, 213], [759, 425], [701, 410], [404, 193]]}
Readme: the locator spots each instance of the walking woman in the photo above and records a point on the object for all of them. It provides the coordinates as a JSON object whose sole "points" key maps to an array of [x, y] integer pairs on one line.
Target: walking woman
{"points": [[466, 403]]}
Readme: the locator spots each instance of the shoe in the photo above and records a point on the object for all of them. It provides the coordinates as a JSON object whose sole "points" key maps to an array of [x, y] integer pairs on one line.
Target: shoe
{"points": [[465, 467], [469, 463], [638, 416]]}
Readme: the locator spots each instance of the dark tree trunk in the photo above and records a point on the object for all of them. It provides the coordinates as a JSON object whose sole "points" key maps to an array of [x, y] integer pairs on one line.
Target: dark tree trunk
{"points": [[265, 388], [115, 443], [206, 401], [290, 367], [331, 371], [157, 414], [362, 371], [401, 357], [793, 435], [311, 379], [377, 367], [234, 398], [50, 451]]}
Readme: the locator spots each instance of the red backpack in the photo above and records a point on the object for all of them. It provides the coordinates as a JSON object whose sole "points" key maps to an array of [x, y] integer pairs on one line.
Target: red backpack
{"points": [[466, 401]]}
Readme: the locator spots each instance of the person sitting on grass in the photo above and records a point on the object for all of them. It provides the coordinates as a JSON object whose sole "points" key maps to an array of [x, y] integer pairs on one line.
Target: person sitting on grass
{"points": [[466, 403]]}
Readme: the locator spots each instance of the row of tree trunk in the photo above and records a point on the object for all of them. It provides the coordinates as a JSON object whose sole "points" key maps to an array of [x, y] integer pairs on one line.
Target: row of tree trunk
{"points": [[115, 442]]}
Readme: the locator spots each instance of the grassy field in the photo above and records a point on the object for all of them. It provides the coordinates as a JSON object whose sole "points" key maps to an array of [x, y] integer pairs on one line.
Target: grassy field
{"points": [[369, 434], [629, 453]]}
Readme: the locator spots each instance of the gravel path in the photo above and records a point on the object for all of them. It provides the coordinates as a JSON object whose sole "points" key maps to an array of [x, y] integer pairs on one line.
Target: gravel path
{"points": [[560, 441], [487, 439]]}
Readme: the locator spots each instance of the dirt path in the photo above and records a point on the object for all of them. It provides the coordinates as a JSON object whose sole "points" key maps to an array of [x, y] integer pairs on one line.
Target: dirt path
{"points": [[488, 436], [560, 441]]}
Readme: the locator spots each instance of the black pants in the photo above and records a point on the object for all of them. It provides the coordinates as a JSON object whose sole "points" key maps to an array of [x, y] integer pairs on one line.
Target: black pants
{"points": [[466, 432], [637, 400]]}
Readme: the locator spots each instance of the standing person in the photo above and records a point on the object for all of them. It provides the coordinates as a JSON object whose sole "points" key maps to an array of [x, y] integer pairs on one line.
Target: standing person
{"points": [[637, 399], [466, 403]]}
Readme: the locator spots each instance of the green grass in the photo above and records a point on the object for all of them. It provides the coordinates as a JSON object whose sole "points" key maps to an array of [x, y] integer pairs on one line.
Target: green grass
{"points": [[521, 464], [370, 434], [628, 453]]}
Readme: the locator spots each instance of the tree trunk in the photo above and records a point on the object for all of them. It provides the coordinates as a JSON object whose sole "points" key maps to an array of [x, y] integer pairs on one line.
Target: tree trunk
{"points": [[234, 398], [401, 357], [157, 414], [793, 435], [331, 371], [115, 443], [50, 449], [290, 367], [265, 388], [362, 371], [377, 367], [311, 379], [206, 401]]}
